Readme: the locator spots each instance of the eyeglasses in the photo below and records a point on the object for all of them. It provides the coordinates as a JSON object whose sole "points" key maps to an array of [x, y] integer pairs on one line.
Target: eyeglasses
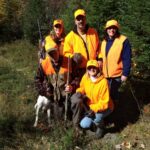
{"points": [[57, 26], [80, 17]]}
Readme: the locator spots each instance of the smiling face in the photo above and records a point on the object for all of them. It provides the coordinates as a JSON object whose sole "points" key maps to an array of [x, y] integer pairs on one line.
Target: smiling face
{"points": [[93, 71], [58, 29], [111, 31], [80, 21]]}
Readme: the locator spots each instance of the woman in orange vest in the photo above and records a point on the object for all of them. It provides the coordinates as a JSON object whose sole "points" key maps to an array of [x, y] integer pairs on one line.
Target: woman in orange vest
{"points": [[116, 56], [55, 37], [91, 103]]}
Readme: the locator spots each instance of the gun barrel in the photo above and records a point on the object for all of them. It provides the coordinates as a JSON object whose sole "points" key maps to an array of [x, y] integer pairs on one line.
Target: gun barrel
{"points": [[40, 34], [67, 94]]}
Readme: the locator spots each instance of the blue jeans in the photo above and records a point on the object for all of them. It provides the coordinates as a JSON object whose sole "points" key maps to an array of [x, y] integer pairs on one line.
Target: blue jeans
{"points": [[87, 122]]}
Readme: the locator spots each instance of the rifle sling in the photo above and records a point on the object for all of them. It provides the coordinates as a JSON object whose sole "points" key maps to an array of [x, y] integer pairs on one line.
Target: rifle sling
{"points": [[87, 52]]}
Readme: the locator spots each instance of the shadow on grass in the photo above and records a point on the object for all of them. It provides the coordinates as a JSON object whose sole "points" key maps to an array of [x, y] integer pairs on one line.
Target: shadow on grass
{"points": [[134, 96]]}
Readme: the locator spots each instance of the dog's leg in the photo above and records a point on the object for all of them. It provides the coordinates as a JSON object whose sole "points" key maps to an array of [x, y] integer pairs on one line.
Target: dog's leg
{"points": [[48, 116], [36, 116]]}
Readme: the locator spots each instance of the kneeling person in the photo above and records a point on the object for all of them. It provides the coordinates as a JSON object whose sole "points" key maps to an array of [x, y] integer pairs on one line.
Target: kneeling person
{"points": [[51, 79], [91, 103]]}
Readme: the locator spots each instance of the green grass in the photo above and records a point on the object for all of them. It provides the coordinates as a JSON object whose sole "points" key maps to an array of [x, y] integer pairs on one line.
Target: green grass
{"points": [[18, 65]]}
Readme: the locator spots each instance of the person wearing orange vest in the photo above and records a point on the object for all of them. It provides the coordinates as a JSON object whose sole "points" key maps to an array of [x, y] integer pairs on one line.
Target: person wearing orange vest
{"points": [[57, 36], [91, 103], [51, 78], [116, 56], [82, 40]]}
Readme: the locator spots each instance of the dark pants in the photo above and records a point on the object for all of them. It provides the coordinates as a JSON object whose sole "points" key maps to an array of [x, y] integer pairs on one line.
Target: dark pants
{"points": [[114, 85], [78, 107]]}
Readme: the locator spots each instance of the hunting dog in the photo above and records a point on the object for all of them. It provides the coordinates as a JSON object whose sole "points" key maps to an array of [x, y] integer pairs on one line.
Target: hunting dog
{"points": [[44, 104]]}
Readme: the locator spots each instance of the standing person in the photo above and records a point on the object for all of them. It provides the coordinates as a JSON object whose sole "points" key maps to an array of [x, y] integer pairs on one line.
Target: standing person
{"points": [[116, 56], [51, 79], [55, 37], [91, 103], [82, 40]]}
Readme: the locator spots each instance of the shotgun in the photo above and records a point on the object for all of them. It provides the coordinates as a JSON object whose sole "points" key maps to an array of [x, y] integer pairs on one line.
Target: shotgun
{"points": [[67, 94], [41, 52]]}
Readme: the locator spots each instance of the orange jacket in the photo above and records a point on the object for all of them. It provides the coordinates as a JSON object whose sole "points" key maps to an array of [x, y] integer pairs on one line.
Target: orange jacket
{"points": [[49, 42], [97, 93], [74, 44], [112, 64]]}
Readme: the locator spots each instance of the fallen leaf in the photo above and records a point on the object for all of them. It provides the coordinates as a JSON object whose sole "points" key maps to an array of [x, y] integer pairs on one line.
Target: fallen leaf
{"points": [[142, 146], [118, 146], [77, 148], [126, 145]]}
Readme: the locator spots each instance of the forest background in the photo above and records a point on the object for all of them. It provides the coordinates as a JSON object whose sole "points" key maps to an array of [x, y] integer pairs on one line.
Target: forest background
{"points": [[19, 35]]}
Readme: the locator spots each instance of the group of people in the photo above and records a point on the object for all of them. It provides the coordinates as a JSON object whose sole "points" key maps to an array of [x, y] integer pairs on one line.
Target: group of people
{"points": [[96, 71]]}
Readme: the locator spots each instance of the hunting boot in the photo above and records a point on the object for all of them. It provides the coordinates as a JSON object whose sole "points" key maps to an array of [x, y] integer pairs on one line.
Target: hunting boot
{"points": [[100, 130]]}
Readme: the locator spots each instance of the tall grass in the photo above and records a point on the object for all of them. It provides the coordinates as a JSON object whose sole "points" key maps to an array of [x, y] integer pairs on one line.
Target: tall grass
{"points": [[17, 68]]}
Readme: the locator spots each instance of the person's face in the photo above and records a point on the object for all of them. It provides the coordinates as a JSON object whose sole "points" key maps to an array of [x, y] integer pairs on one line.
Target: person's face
{"points": [[54, 55], [80, 21], [111, 31], [58, 30], [92, 70]]}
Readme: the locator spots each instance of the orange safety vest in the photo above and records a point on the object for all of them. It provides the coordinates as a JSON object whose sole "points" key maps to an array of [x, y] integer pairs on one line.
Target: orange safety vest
{"points": [[74, 44], [97, 93], [49, 43], [58, 80], [48, 68], [112, 63]]}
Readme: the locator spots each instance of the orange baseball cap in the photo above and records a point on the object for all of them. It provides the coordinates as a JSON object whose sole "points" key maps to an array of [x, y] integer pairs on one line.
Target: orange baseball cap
{"points": [[79, 12]]}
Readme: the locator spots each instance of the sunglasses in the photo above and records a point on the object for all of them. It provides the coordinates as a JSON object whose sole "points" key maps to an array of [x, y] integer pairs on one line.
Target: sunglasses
{"points": [[57, 26], [91, 67], [80, 17]]}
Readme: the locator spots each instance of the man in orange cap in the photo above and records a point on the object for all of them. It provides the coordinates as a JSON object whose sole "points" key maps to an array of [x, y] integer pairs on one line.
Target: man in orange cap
{"points": [[91, 103], [116, 56], [51, 79], [82, 40]]}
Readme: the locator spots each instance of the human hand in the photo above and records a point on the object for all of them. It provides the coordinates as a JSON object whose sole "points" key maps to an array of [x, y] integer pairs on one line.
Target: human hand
{"points": [[77, 58], [123, 78], [48, 94], [68, 88], [90, 113]]}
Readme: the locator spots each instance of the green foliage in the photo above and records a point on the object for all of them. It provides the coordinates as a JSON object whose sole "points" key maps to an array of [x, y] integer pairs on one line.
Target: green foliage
{"points": [[135, 22], [43, 10], [35, 10], [10, 21]]}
